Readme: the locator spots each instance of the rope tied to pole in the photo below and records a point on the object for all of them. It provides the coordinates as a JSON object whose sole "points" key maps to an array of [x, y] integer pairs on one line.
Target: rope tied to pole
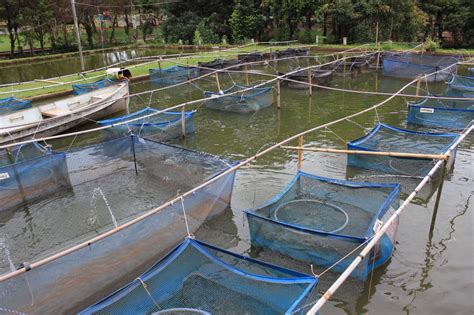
{"points": [[144, 285]]}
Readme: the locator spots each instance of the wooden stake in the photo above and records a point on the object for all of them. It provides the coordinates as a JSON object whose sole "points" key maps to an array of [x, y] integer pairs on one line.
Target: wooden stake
{"points": [[377, 35], [300, 151], [217, 81], [378, 153], [278, 94], [378, 60], [310, 81], [246, 75], [183, 121], [418, 83], [444, 170]]}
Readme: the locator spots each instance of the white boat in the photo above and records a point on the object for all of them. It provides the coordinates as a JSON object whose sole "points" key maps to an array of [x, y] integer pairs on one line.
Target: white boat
{"points": [[56, 117]]}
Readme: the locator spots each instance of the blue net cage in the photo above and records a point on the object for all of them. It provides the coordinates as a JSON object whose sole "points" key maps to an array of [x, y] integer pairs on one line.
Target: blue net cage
{"points": [[411, 65], [163, 126], [113, 183], [241, 102], [460, 86], [173, 75], [450, 114], [320, 220], [82, 88], [386, 138], [30, 172], [196, 278], [11, 104]]}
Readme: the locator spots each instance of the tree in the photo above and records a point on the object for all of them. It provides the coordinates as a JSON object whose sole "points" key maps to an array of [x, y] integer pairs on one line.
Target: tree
{"points": [[10, 12], [246, 21], [37, 16]]}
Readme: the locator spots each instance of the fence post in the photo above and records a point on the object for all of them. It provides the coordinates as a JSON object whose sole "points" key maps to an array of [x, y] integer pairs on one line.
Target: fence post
{"points": [[310, 81], [300, 151]]}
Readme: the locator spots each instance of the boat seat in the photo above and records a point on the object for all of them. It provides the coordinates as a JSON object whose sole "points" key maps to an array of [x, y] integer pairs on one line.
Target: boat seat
{"points": [[22, 117], [96, 99]]}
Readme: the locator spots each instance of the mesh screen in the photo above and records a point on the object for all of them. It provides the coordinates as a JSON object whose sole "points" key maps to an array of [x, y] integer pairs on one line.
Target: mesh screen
{"points": [[245, 102], [460, 86], [78, 89], [105, 188], [162, 127], [320, 77], [194, 277], [444, 117], [319, 220], [390, 139], [173, 75], [410, 65], [11, 104]]}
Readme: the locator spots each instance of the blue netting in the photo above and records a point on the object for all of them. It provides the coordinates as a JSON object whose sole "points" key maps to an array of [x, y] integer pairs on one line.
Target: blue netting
{"points": [[11, 104], [391, 139], [460, 86], [173, 75], [82, 88], [471, 70], [450, 114], [30, 172], [320, 220], [163, 126], [410, 65], [207, 279], [116, 180], [244, 102]]}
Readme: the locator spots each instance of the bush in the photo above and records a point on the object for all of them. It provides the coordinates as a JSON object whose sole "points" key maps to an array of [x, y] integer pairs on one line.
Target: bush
{"points": [[430, 44]]}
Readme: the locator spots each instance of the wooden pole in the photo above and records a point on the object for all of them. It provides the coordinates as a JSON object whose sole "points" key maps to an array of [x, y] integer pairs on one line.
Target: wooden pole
{"points": [[278, 94], [300, 151], [378, 60], [377, 35], [217, 81], [246, 75], [183, 121], [444, 170], [310, 81], [377, 153], [418, 84]]}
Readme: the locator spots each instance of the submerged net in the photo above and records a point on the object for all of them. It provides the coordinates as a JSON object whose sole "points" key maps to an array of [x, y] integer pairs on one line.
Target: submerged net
{"points": [[244, 102], [411, 65], [452, 114], [11, 104], [320, 220], [111, 183], [164, 126], [82, 88], [386, 138], [173, 75], [460, 86], [203, 279]]}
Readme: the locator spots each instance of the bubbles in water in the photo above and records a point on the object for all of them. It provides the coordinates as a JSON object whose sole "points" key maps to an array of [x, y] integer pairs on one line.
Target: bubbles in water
{"points": [[4, 248]]}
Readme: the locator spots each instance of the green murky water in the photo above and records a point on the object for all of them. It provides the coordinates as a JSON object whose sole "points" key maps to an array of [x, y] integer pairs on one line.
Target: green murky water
{"points": [[428, 273]]}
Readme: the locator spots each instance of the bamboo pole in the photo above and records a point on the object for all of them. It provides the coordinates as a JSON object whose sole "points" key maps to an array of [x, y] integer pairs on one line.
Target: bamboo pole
{"points": [[444, 170], [378, 60], [246, 75], [278, 94], [418, 84], [310, 82], [443, 157], [300, 151], [183, 121], [217, 82]]}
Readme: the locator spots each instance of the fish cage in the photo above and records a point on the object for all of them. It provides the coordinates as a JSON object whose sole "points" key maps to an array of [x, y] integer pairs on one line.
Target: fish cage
{"points": [[207, 67], [385, 138], [12, 104], [240, 102], [173, 75], [30, 172], [437, 113], [411, 65], [82, 88], [319, 77], [323, 221], [460, 86], [197, 278], [86, 241], [163, 126]]}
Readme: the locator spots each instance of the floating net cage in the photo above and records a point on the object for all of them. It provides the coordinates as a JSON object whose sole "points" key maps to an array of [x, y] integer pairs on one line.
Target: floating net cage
{"points": [[82, 88], [164, 126], [29, 172], [319, 77], [11, 104], [114, 183], [291, 52], [411, 65], [244, 102], [452, 114], [219, 64], [386, 138], [251, 57], [460, 86], [173, 75], [197, 278], [320, 220]]}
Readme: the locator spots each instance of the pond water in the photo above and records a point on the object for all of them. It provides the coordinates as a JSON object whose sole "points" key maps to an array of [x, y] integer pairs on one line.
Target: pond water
{"points": [[429, 273]]}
